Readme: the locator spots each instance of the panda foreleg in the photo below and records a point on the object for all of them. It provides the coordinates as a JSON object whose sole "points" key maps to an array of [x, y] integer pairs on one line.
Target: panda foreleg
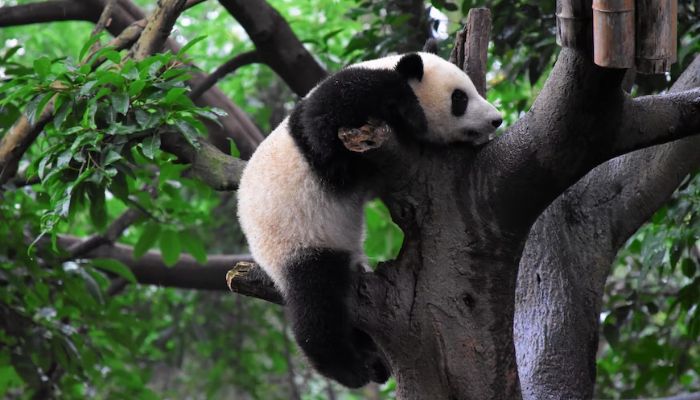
{"points": [[318, 282]]}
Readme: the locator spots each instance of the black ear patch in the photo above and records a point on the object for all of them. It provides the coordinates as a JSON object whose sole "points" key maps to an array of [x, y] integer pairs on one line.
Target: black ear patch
{"points": [[410, 66]]}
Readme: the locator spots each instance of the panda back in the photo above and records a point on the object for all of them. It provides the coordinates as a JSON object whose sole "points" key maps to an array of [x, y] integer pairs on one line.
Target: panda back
{"points": [[284, 208]]}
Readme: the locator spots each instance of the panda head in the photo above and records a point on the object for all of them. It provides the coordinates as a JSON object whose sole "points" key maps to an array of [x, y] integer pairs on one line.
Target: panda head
{"points": [[454, 110]]}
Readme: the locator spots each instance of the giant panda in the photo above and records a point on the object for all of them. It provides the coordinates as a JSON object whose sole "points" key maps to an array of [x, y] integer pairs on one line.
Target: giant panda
{"points": [[301, 195]]}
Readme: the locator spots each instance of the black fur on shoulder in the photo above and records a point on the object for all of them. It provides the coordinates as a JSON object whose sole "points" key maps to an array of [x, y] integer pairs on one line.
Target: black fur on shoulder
{"points": [[318, 284], [348, 99]]}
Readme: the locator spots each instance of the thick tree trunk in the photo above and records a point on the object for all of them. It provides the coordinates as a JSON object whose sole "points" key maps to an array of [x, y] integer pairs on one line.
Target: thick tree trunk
{"points": [[569, 253]]}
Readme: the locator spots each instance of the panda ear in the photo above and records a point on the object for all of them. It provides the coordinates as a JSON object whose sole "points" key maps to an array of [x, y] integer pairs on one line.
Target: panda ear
{"points": [[410, 66]]}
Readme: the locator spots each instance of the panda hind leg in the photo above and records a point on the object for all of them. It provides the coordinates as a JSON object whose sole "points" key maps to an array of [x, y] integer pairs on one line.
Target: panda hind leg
{"points": [[318, 282]]}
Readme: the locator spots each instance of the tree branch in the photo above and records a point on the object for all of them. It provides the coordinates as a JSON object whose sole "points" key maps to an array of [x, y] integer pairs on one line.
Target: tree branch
{"points": [[571, 123], [16, 142], [569, 252], [113, 232], [105, 18], [209, 164], [228, 67], [49, 11], [150, 269], [157, 30], [276, 44], [470, 51], [652, 120]]}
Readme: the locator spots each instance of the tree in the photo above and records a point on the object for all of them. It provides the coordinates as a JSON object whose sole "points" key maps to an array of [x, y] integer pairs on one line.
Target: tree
{"points": [[506, 247]]}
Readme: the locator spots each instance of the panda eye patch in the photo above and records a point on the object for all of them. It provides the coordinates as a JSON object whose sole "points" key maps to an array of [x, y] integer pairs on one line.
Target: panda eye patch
{"points": [[459, 102]]}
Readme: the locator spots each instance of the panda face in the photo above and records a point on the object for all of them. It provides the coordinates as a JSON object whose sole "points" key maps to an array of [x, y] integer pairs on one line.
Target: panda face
{"points": [[454, 109]]}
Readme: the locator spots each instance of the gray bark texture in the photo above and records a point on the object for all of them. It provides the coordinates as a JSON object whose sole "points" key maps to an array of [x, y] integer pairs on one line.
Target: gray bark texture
{"points": [[506, 247], [568, 255], [445, 312]]}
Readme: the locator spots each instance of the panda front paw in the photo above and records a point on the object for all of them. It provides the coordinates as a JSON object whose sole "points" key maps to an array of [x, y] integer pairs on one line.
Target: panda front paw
{"points": [[369, 136]]}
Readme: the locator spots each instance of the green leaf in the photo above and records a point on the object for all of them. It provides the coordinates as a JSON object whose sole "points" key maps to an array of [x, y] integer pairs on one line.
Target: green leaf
{"points": [[120, 102], [119, 187], [87, 88], [112, 55], [188, 131], [136, 87], [170, 247], [88, 44], [64, 159], [36, 106], [688, 267], [172, 95], [98, 209], [191, 43], [10, 52], [148, 238], [42, 66], [115, 267], [61, 114], [88, 120], [233, 149], [110, 77], [111, 157], [150, 146], [193, 245]]}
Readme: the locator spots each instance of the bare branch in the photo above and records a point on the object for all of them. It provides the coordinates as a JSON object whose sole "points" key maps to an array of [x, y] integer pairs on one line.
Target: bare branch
{"points": [[158, 27], [568, 256], [249, 279], [113, 232], [150, 269], [228, 67], [277, 45], [16, 142], [209, 164], [60, 10], [105, 18], [652, 120], [571, 123], [470, 50]]}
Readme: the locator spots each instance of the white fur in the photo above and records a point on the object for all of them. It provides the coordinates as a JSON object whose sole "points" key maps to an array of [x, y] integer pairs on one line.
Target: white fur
{"points": [[440, 78], [281, 206]]}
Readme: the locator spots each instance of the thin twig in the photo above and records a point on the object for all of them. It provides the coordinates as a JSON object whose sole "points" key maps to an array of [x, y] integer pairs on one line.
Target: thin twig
{"points": [[113, 232], [105, 18], [228, 67]]}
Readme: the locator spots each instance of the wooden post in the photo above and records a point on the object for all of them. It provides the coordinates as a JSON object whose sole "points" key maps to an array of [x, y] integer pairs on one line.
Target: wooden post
{"points": [[574, 23], [656, 35], [613, 33]]}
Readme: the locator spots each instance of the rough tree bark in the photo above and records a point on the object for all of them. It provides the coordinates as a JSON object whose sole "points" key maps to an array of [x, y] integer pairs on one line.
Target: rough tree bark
{"points": [[569, 253], [444, 310]]}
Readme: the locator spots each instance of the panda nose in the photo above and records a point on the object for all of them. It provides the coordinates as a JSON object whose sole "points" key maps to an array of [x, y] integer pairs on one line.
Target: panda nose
{"points": [[497, 122]]}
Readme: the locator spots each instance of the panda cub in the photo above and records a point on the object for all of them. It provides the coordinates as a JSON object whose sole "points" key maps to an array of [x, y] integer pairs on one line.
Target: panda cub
{"points": [[301, 196]]}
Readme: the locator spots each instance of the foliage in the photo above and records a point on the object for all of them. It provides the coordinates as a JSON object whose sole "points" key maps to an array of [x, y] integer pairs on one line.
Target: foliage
{"points": [[652, 326], [70, 327]]}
